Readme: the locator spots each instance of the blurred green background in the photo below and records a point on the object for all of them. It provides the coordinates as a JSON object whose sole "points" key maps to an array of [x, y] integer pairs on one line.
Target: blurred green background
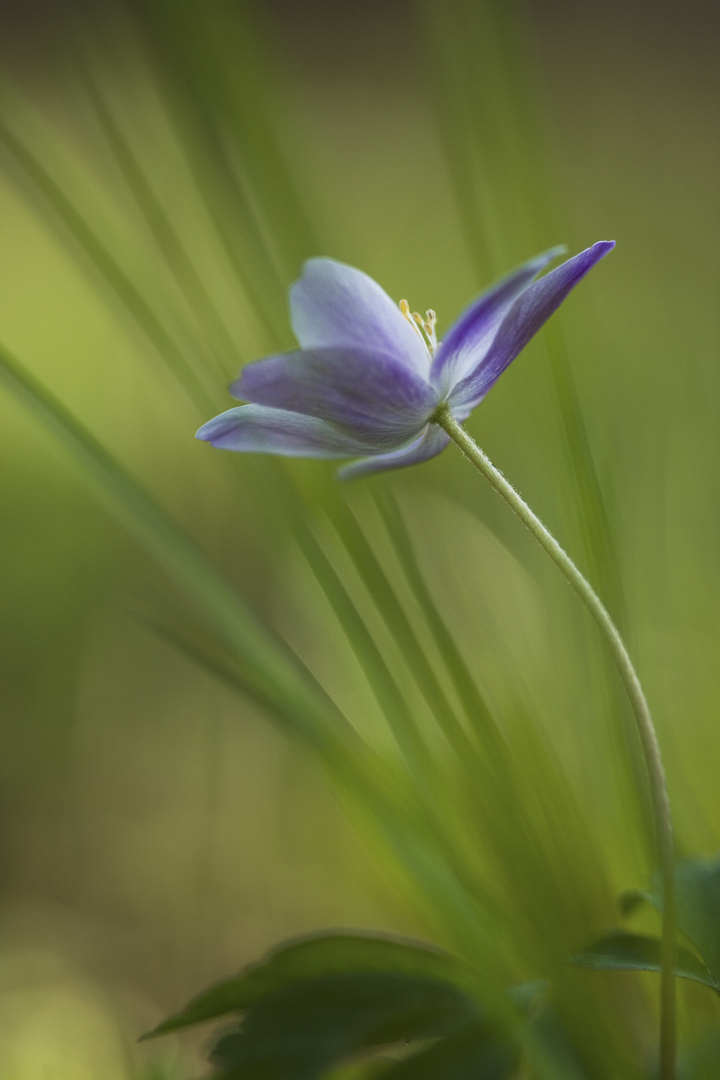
{"points": [[165, 170]]}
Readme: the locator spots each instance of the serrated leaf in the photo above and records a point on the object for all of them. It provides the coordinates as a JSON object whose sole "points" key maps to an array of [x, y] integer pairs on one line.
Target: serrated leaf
{"points": [[322, 956], [306, 1028], [620, 951], [697, 907], [479, 1050], [629, 901], [697, 901]]}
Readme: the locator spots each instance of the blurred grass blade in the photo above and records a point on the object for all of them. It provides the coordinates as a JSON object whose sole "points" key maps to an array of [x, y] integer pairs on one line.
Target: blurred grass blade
{"points": [[218, 51], [165, 235], [385, 597], [284, 679], [596, 530], [475, 706], [499, 161], [385, 687], [501, 170], [457, 105], [378, 672], [213, 657], [218, 162], [430, 778], [380, 794], [121, 284]]}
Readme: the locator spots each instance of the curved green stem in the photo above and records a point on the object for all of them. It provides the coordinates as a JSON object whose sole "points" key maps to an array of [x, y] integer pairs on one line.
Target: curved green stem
{"points": [[644, 721]]}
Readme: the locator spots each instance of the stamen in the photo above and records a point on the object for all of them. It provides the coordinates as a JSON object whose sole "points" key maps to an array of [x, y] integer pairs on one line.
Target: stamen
{"points": [[429, 328], [405, 308], [425, 328]]}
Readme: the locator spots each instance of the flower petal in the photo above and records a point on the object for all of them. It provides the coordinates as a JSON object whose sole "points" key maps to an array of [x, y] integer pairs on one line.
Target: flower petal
{"points": [[257, 429], [469, 337], [336, 306], [431, 443], [532, 308], [369, 395]]}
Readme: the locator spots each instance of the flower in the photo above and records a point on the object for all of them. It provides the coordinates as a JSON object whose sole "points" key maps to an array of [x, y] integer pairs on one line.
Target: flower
{"points": [[370, 375]]}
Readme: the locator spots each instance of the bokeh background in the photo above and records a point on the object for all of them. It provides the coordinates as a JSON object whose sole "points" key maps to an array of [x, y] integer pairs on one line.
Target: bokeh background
{"points": [[165, 170]]}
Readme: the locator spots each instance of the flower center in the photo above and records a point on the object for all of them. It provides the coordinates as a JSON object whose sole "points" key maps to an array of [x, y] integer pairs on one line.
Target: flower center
{"points": [[424, 328]]}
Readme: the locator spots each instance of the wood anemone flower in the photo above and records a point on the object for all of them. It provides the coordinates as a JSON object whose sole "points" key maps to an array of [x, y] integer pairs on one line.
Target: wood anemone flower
{"points": [[370, 375]]}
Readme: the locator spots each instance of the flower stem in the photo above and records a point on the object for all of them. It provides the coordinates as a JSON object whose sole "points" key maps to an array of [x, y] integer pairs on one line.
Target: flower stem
{"points": [[643, 719]]}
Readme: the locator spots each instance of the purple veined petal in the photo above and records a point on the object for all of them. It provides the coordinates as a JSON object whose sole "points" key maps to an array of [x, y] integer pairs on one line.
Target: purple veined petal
{"points": [[529, 312], [469, 337], [431, 443], [336, 306], [261, 430], [368, 395]]}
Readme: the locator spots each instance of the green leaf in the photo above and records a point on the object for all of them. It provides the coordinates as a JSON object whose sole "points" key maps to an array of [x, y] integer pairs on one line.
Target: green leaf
{"points": [[478, 1050], [619, 951], [306, 1028], [323, 956], [629, 901], [697, 907]]}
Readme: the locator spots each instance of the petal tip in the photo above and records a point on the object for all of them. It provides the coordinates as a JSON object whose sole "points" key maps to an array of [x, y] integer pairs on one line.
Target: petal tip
{"points": [[313, 264], [345, 473], [235, 388]]}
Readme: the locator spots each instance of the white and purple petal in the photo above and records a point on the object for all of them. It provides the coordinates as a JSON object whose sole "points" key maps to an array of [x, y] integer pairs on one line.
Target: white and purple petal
{"points": [[261, 430], [368, 394], [523, 320], [469, 337], [431, 443], [336, 306]]}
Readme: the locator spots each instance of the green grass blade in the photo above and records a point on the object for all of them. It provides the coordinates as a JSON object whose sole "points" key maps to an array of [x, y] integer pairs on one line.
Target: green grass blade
{"points": [[166, 236], [212, 154], [380, 796], [385, 687], [475, 706], [100, 257], [208, 590], [487, 104], [385, 597], [221, 56]]}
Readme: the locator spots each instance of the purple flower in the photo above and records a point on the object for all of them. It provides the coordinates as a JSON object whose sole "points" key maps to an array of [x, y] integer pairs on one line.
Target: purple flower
{"points": [[369, 375]]}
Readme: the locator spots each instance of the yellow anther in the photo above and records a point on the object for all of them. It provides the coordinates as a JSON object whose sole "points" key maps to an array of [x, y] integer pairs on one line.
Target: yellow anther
{"points": [[410, 316], [423, 327]]}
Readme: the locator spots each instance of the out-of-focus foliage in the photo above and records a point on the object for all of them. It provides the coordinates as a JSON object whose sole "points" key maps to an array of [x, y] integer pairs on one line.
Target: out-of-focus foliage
{"points": [[166, 168]]}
